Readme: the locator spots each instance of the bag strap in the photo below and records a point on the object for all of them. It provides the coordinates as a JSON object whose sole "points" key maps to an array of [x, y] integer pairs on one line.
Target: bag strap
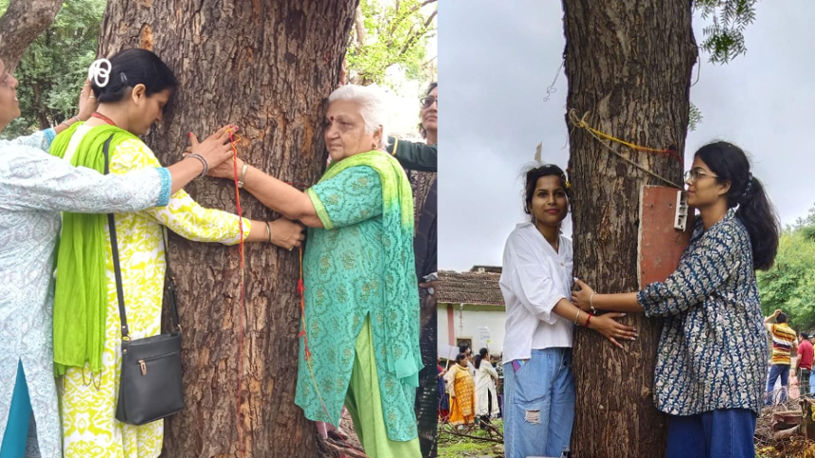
{"points": [[169, 281]]}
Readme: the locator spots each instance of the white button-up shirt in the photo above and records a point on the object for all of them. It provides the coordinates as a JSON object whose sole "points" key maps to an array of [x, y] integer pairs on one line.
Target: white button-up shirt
{"points": [[533, 279]]}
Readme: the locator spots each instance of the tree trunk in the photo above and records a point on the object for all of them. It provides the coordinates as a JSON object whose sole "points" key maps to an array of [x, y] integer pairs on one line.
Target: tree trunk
{"points": [[22, 23], [267, 66], [628, 65]]}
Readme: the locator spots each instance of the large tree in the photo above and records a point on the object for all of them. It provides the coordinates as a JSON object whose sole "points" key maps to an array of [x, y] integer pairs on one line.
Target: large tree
{"points": [[629, 66], [267, 66], [21, 23]]}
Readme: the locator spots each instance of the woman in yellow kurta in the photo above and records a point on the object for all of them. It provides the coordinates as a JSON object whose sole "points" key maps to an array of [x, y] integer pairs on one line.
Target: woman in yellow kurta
{"points": [[462, 392], [129, 103]]}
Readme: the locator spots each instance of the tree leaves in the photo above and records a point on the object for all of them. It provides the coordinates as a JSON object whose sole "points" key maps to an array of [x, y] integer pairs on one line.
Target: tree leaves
{"points": [[390, 34], [725, 36], [55, 65], [790, 284]]}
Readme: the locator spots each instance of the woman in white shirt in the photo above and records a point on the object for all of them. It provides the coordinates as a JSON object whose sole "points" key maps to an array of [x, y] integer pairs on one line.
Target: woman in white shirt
{"points": [[486, 398], [536, 281]]}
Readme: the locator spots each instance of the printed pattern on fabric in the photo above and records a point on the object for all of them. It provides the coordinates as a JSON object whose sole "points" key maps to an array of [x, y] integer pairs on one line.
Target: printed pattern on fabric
{"points": [[712, 352], [783, 337], [34, 187], [344, 276], [88, 401]]}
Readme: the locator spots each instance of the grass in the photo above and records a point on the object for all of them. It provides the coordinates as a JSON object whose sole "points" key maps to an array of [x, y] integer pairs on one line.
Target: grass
{"points": [[452, 445]]}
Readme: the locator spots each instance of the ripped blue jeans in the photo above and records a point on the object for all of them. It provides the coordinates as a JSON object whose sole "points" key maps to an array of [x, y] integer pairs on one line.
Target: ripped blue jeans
{"points": [[539, 404]]}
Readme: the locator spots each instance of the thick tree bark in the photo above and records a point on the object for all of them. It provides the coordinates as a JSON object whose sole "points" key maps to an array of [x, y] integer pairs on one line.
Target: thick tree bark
{"points": [[267, 66], [22, 23], [628, 65]]}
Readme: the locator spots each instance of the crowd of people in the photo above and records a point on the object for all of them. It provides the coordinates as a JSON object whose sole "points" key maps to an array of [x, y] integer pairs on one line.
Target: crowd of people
{"points": [[362, 280]]}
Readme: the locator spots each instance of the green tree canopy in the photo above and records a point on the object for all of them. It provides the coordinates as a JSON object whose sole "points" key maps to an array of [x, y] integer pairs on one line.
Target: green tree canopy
{"points": [[790, 284], [388, 33], [54, 67]]}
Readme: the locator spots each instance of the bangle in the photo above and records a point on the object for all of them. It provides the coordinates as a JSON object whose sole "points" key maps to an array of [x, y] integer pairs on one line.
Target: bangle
{"points": [[576, 316], [268, 232], [203, 163], [588, 319], [242, 179], [591, 302]]}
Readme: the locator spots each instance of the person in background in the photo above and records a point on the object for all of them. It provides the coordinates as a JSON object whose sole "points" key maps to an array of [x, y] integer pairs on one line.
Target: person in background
{"points": [[486, 399], [422, 157], [462, 393], [804, 363], [416, 155], [784, 340]]}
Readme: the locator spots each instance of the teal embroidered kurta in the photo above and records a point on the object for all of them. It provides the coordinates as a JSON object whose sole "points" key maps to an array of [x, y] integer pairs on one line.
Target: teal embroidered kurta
{"points": [[349, 274]]}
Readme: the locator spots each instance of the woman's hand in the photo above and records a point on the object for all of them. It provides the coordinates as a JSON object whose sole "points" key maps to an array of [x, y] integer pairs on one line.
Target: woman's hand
{"points": [[582, 296], [215, 149], [612, 330], [286, 233], [87, 102], [226, 170]]}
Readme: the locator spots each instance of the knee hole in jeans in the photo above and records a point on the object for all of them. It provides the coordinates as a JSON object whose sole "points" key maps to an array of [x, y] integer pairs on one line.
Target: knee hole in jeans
{"points": [[532, 416]]}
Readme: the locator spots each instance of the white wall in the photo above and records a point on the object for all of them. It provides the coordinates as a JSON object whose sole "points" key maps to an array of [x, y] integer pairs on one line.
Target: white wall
{"points": [[483, 324]]}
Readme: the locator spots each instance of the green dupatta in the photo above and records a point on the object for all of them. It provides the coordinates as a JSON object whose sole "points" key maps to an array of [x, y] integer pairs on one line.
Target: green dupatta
{"points": [[80, 295], [403, 357]]}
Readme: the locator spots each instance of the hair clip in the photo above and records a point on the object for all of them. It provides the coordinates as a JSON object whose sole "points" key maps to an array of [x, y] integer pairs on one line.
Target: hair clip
{"points": [[123, 78], [99, 72]]}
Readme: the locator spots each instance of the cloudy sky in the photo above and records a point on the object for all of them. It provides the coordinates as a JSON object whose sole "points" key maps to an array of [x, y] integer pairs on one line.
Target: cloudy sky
{"points": [[497, 60]]}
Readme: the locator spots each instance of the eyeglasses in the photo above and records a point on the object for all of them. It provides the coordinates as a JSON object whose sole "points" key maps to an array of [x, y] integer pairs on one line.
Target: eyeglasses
{"points": [[693, 175], [428, 101]]}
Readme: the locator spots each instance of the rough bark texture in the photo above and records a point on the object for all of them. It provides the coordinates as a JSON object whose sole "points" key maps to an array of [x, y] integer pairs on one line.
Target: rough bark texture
{"points": [[22, 23], [628, 64], [267, 66]]}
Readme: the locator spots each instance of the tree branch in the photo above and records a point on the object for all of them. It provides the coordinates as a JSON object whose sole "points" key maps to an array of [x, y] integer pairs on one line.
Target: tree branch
{"points": [[23, 22]]}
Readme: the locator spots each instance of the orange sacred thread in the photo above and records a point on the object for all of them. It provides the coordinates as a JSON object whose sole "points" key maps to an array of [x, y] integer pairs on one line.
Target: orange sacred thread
{"points": [[241, 323]]}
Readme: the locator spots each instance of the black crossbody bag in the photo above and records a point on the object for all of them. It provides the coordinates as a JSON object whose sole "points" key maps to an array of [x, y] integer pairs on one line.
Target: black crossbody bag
{"points": [[150, 386]]}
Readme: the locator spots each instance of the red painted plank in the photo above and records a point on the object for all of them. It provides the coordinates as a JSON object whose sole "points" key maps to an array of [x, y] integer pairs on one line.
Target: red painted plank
{"points": [[660, 245]]}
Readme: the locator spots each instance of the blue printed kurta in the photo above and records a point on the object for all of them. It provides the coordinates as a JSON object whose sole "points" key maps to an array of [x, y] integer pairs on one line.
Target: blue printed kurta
{"points": [[712, 353], [344, 272], [34, 188]]}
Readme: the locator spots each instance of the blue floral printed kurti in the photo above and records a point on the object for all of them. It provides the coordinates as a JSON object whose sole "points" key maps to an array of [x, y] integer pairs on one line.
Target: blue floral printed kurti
{"points": [[712, 353], [34, 188]]}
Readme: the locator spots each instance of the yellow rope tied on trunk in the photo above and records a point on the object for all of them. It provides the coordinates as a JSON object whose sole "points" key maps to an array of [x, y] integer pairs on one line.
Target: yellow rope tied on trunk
{"points": [[601, 136]]}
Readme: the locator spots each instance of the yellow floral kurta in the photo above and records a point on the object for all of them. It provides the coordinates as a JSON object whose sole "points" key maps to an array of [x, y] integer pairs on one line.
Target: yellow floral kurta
{"points": [[88, 401]]}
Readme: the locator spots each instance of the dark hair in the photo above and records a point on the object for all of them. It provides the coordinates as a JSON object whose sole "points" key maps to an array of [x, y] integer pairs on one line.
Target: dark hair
{"points": [[804, 335], [463, 348], [481, 355], [730, 163], [781, 318], [131, 67], [460, 357], [532, 176], [430, 87]]}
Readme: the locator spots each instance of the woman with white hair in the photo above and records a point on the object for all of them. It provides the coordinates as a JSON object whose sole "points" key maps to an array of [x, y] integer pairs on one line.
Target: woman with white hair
{"points": [[361, 342]]}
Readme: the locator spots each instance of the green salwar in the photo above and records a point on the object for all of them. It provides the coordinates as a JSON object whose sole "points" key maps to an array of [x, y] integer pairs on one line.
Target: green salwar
{"points": [[363, 396]]}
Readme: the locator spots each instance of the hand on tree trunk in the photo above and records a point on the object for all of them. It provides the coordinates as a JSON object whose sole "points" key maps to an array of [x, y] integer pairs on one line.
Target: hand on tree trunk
{"points": [[286, 233], [611, 329]]}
